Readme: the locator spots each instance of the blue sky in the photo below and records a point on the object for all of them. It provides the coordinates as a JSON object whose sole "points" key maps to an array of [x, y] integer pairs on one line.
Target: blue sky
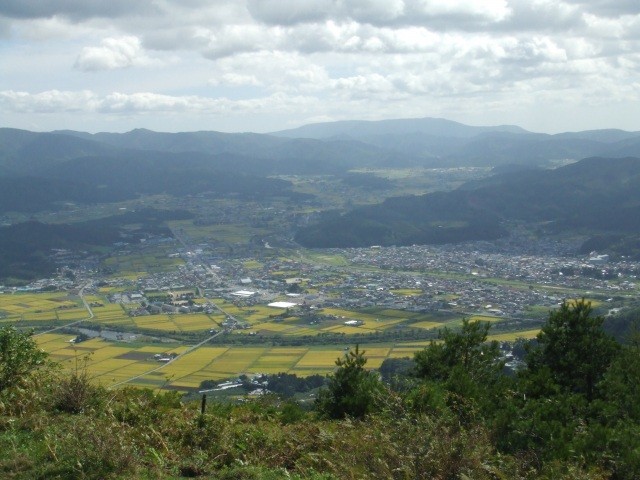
{"points": [[265, 65]]}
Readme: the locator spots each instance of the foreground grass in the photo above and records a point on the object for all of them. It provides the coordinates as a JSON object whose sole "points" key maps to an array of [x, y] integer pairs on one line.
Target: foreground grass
{"points": [[57, 426]]}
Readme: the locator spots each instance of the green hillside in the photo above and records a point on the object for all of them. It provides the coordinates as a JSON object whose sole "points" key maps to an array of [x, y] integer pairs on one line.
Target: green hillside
{"points": [[593, 195]]}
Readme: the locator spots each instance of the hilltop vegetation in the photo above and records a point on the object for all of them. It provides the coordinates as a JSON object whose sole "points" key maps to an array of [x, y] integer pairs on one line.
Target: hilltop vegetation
{"points": [[569, 413]]}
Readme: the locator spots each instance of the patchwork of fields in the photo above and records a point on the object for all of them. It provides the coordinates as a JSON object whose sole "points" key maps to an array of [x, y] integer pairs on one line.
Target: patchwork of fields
{"points": [[27, 307], [111, 363], [30, 309]]}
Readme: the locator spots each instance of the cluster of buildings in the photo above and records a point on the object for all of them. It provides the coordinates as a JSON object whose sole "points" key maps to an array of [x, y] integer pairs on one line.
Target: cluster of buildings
{"points": [[502, 278]]}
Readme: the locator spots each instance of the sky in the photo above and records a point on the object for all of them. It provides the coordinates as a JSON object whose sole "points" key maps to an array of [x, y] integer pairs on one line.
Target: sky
{"points": [[266, 65]]}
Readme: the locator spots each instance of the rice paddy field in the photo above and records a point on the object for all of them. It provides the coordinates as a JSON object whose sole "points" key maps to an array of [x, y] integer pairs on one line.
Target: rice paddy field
{"points": [[109, 363], [29, 309], [267, 321], [229, 234], [136, 266], [35, 307]]}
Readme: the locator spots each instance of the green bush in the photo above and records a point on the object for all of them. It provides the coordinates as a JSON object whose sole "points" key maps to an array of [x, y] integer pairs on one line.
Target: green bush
{"points": [[19, 356], [351, 390]]}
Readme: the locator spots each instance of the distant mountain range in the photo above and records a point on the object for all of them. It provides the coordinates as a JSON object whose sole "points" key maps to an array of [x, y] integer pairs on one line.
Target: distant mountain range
{"points": [[590, 196], [434, 127], [322, 148], [39, 169], [441, 142]]}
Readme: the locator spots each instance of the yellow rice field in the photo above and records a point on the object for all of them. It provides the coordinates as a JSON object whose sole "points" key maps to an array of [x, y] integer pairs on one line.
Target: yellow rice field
{"points": [[109, 363], [428, 325], [39, 306], [512, 336]]}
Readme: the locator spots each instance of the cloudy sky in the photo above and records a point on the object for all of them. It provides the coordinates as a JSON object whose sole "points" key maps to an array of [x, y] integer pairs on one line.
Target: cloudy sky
{"points": [[264, 65]]}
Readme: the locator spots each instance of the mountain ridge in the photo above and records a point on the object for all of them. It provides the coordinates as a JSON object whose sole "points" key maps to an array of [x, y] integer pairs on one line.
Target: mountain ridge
{"points": [[331, 147]]}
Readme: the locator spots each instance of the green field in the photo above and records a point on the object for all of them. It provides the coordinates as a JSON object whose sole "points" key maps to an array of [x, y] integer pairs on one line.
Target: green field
{"points": [[226, 234], [134, 266]]}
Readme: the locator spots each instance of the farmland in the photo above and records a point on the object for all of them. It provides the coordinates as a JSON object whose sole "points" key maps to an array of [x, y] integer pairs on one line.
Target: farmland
{"points": [[340, 303], [36, 307], [109, 363], [218, 272], [266, 341]]}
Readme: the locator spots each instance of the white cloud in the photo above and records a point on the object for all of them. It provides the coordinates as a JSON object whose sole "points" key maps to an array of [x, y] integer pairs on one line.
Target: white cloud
{"points": [[55, 101], [113, 53], [235, 79], [51, 101], [329, 58], [234, 39], [374, 11], [289, 12], [364, 86], [377, 12], [275, 71], [490, 10], [540, 16]]}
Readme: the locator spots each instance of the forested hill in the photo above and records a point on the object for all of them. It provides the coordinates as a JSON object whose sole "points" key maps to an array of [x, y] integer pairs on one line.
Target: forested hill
{"points": [[443, 142], [25, 248], [439, 127], [23, 152], [593, 195]]}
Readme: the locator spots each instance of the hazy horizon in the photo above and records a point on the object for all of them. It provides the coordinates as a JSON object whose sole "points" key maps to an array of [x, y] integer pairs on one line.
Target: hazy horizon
{"points": [[126, 130]]}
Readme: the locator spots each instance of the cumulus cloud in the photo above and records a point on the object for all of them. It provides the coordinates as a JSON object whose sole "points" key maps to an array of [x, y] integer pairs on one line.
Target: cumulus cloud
{"points": [[113, 53], [542, 16], [488, 10], [235, 79], [373, 11], [290, 12], [51, 101], [74, 9], [609, 8], [377, 12], [274, 71], [366, 57], [238, 38]]}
